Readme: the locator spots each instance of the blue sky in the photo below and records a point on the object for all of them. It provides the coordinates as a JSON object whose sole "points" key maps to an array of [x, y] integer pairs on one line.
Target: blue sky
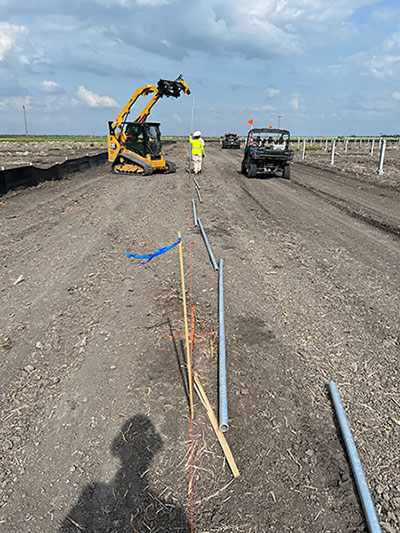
{"points": [[329, 68]]}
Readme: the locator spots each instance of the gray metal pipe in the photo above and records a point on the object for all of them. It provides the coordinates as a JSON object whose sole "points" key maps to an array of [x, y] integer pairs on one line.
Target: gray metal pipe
{"points": [[361, 482], [194, 212], [199, 195], [223, 397], [195, 182], [207, 245]]}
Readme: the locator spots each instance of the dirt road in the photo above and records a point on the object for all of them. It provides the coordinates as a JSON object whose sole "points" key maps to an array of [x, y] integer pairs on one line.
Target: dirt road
{"points": [[95, 422]]}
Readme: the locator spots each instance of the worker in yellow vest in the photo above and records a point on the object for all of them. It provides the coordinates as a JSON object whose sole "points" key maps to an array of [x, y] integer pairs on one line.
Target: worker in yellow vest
{"points": [[198, 151]]}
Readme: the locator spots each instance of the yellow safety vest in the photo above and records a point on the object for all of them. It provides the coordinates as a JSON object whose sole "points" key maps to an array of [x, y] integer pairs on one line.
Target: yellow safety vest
{"points": [[197, 146]]}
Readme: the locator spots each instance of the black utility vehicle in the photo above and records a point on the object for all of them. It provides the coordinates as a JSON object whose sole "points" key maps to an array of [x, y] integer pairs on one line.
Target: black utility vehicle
{"points": [[267, 151], [231, 140]]}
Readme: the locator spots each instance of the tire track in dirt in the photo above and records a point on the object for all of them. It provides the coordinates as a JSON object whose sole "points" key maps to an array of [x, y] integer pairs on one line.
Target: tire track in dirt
{"points": [[353, 210]]}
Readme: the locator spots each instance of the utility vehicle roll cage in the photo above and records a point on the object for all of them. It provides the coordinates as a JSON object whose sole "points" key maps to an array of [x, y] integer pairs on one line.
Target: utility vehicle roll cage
{"points": [[284, 135]]}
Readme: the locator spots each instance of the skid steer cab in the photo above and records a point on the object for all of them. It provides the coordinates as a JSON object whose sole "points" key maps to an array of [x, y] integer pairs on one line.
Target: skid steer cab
{"points": [[140, 151], [135, 147]]}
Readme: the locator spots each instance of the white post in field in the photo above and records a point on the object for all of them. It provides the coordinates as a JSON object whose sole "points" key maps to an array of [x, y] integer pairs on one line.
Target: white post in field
{"points": [[333, 151], [371, 152], [382, 157]]}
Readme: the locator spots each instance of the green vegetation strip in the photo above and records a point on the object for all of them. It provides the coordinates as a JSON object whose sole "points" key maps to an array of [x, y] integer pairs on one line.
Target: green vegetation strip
{"points": [[52, 139]]}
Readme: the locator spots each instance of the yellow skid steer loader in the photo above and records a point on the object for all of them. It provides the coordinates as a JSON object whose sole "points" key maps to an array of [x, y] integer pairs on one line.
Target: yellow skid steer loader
{"points": [[135, 147]]}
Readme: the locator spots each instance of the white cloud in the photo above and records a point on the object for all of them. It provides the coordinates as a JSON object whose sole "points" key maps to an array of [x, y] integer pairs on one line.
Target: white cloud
{"points": [[385, 14], [50, 86], [253, 29], [382, 62], [320, 22], [14, 102], [52, 103], [153, 3], [18, 51], [8, 35], [49, 103], [132, 3], [338, 70], [115, 3], [261, 108], [91, 42], [331, 116], [223, 27], [272, 93], [366, 106], [295, 102], [94, 99]]}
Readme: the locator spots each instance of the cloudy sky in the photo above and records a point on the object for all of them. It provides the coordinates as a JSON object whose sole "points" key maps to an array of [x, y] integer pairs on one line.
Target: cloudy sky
{"points": [[328, 67]]}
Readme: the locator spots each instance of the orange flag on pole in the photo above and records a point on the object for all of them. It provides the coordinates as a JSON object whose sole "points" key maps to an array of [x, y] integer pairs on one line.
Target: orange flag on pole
{"points": [[251, 122]]}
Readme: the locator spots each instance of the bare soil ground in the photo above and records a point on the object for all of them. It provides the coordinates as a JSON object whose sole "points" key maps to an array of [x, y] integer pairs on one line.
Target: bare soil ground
{"points": [[95, 421], [358, 162], [43, 154]]}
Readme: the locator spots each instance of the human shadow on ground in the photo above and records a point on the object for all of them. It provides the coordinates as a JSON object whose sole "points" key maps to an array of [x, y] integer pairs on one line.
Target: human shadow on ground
{"points": [[127, 503]]}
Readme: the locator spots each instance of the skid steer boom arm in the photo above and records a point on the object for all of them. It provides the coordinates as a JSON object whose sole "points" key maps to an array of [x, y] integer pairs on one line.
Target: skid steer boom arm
{"points": [[165, 88]]}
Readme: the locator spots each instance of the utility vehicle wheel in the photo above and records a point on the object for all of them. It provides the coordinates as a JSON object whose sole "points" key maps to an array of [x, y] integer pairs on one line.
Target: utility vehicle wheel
{"points": [[252, 170], [243, 168], [286, 172], [171, 167]]}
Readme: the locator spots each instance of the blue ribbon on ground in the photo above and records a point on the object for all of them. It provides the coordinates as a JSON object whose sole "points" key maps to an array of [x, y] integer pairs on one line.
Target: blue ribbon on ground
{"points": [[149, 257]]}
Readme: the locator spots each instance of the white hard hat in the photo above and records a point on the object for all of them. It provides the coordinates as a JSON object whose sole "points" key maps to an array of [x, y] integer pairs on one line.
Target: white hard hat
{"points": [[197, 133]]}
